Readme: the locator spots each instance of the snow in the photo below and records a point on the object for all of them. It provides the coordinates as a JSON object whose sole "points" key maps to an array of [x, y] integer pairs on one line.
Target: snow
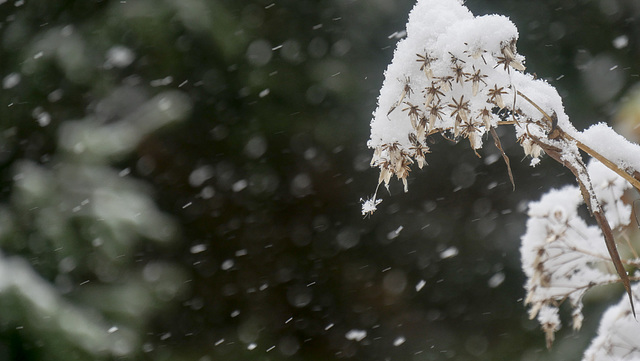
{"points": [[119, 56], [496, 280], [200, 175], [395, 233], [227, 264], [369, 206], [356, 335], [617, 334], [198, 248], [558, 249], [449, 252], [621, 42], [240, 185], [11, 80], [399, 341], [604, 140]]}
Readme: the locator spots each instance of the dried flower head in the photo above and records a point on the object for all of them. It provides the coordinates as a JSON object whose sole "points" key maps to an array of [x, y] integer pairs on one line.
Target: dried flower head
{"points": [[453, 71]]}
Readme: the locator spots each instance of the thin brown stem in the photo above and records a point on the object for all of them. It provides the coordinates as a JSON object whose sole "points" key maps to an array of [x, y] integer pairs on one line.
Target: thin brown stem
{"points": [[507, 122]]}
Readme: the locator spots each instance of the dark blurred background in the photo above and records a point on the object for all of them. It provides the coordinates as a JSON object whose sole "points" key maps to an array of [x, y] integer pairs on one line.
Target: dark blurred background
{"points": [[181, 180]]}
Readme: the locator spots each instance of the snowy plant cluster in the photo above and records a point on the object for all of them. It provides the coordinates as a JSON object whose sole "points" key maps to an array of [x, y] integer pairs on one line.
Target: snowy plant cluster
{"points": [[562, 256], [617, 334], [457, 75], [461, 76]]}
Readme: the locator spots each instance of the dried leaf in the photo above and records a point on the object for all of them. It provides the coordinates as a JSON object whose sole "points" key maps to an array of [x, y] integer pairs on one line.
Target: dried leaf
{"points": [[613, 252], [496, 140]]}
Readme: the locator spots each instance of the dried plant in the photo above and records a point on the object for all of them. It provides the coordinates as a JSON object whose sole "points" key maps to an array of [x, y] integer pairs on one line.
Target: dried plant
{"points": [[464, 78], [562, 256]]}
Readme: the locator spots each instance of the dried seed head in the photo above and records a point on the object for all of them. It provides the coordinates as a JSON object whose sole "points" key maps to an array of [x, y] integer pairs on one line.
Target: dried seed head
{"points": [[531, 149], [413, 114], [445, 83], [425, 64], [508, 58], [485, 115], [406, 92], [470, 130], [422, 127], [460, 108], [476, 78], [435, 113], [549, 332], [385, 175], [495, 96], [433, 92], [577, 318], [456, 124], [459, 73]]}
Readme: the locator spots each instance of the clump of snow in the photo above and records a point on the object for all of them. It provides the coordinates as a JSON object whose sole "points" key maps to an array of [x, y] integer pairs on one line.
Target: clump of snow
{"points": [[604, 140], [369, 206], [609, 188]]}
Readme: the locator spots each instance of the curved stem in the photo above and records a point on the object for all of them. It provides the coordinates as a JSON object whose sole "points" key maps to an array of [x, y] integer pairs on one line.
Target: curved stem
{"points": [[614, 167], [585, 148]]}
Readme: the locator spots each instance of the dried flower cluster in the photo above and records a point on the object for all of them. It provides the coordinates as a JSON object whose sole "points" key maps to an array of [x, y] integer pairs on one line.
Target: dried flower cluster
{"points": [[457, 75], [461, 76], [562, 256]]}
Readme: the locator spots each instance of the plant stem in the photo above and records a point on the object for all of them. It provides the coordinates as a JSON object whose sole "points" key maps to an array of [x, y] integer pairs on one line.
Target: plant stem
{"points": [[614, 167], [585, 148]]}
